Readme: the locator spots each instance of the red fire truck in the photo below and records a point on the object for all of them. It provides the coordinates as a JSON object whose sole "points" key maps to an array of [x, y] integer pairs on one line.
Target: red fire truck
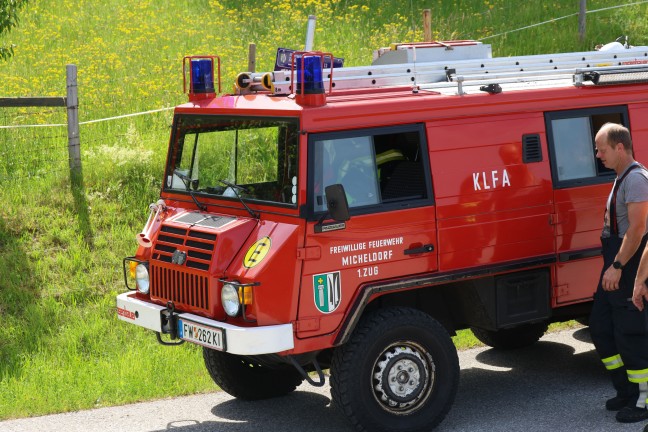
{"points": [[354, 218]]}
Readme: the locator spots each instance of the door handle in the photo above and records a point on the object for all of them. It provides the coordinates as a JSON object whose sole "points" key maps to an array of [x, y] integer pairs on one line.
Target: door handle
{"points": [[423, 249]]}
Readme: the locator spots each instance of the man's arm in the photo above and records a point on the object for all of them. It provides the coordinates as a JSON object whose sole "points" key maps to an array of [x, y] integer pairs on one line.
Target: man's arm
{"points": [[637, 214]]}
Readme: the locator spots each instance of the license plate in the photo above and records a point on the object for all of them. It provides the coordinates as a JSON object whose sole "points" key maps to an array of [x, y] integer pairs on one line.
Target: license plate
{"points": [[209, 337]]}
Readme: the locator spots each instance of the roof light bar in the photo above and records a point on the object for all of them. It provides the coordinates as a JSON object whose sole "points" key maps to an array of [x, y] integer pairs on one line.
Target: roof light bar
{"points": [[617, 76]]}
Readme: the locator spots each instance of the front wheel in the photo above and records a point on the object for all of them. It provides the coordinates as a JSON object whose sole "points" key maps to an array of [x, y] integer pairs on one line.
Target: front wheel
{"points": [[249, 380], [398, 372]]}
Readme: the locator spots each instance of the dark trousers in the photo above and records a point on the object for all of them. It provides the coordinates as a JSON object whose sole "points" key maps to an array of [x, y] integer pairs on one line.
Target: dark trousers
{"points": [[617, 327]]}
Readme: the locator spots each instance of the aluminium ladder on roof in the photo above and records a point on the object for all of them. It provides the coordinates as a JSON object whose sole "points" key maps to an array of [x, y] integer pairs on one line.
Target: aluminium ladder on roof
{"points": [[454, 73]]}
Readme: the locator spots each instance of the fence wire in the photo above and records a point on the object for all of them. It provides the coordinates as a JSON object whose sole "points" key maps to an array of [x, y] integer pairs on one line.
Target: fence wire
{"points": [[31, 155], [34, 141]]}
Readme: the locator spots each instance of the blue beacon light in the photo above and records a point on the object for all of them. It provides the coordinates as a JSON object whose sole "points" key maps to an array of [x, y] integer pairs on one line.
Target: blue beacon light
{"points": [[309, 79], [202, 75]]}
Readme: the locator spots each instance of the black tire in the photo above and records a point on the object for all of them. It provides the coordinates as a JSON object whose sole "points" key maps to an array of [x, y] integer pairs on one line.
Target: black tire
{"points": [[246, 380], [408, 348], [513, 338]]}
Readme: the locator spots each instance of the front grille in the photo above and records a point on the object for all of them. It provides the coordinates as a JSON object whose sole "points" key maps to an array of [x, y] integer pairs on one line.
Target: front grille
{"points": [[185, 283], [199, 246], [182, 288]]}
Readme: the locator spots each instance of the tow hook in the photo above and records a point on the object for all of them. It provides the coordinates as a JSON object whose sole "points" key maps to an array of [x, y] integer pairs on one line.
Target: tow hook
{"points": [[169, 326]]}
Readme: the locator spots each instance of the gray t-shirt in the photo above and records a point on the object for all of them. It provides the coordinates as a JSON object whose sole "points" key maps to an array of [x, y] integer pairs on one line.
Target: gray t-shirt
{"points": [[633, 189]]}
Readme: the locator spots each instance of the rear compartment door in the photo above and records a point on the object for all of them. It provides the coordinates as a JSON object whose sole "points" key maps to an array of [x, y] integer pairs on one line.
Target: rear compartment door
{"points": [[581, 187], [392, 230], [493, 192]]}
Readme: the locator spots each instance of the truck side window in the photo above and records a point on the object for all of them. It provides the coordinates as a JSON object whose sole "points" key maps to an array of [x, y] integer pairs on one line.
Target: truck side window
{"points": [[573, 146], [375, 167], [570, 135]]}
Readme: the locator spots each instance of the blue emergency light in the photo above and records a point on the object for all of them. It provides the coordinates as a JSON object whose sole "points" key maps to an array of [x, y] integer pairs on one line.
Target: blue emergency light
{"points": [[202, 75], [310, 76]]}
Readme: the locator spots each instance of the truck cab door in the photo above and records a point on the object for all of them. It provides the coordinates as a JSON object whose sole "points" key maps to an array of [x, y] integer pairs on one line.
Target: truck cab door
{"points": [[392, 229], [581, 188]]}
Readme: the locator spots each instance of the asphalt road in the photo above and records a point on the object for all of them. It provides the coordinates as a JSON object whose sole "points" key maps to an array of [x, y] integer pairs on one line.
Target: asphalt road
{"points": [[558, 384]]}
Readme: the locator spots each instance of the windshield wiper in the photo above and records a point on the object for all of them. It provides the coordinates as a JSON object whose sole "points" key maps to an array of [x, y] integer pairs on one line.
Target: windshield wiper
{"points": [[188, 182], [236, 187]]}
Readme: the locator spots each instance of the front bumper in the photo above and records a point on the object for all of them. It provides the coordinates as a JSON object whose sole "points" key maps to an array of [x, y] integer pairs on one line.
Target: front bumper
{"points": [[240, 340]]}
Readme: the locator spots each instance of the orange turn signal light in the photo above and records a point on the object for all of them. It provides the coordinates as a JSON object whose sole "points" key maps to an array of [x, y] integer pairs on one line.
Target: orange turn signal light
{"points": [[245, 295]]}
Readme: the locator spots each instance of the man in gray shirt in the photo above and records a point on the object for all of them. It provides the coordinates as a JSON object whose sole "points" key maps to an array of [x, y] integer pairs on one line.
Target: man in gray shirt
{"points": [[619, 329]]}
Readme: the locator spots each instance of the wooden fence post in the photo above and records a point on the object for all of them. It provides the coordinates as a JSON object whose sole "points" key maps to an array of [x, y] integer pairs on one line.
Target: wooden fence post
{"points": [[72, 99], [252, 57], [427, 25]]}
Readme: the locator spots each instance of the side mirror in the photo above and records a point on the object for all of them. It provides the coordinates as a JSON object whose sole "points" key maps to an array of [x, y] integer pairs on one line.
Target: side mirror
{"points": [[338, 209], [336, 200]]}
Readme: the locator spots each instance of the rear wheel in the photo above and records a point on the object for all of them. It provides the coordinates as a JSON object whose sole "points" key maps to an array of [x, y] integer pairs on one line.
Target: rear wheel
{"points": [[248, 380], [398, 372], [516, 337]]}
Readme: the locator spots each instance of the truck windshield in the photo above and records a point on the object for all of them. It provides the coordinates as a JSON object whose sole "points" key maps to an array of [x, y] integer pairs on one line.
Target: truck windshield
{"points": [[214, 155]]}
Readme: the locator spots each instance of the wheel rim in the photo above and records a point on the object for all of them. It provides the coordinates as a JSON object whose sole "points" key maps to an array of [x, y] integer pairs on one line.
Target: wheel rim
{"points": [[403, 377]]}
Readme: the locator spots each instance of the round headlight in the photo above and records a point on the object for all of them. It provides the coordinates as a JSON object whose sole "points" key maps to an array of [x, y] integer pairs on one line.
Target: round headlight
{"points": [[230, 300], [142, 278]]}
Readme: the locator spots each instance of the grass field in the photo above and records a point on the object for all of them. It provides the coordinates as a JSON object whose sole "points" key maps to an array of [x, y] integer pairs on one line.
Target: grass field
{"points": [[61, 244]]}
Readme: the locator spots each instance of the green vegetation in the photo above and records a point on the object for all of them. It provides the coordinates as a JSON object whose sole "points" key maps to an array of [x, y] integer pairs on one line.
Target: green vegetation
{"points": [[8, 20], [62, 243]]}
